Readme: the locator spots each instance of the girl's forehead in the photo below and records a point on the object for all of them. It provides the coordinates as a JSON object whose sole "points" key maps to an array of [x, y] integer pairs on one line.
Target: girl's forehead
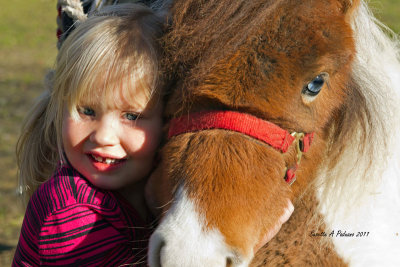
{"points": [[124, 84], [116, 97]]}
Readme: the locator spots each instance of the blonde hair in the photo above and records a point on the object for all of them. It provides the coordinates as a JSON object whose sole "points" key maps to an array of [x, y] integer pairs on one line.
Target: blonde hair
{"points": [[114, 48]]}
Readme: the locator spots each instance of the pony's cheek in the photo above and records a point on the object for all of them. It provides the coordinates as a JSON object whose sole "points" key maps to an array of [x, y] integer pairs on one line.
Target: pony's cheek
{"points": [[271, 233]]}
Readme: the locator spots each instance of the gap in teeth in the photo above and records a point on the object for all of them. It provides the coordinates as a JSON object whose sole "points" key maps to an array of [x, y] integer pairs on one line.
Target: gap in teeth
{"points": [[104, 160]]}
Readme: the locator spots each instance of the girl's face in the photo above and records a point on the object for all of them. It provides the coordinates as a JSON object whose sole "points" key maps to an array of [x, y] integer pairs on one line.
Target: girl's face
{"points": [[113, 146]]}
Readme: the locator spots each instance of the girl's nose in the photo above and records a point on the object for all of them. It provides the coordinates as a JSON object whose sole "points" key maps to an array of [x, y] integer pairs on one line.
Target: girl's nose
{"points": [[105, 133]]}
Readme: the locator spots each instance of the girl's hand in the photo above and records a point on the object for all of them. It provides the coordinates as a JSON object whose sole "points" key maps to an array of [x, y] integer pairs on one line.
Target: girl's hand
{"points": [[288, 212]]}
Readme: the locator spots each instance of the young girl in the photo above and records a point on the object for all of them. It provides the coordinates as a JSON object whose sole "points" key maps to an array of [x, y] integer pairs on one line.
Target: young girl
{"points": [[95, 134]]}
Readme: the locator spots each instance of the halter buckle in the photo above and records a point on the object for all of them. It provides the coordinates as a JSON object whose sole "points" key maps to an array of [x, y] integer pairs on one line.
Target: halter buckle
{"points": [[298, 142]]}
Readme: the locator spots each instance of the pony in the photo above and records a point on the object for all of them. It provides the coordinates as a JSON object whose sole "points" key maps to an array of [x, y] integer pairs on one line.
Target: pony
{"points": [[273, 101]]}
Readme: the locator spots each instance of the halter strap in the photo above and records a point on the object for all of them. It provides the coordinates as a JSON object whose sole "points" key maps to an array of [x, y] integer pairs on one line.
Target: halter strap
{"points": [[249, 125]]}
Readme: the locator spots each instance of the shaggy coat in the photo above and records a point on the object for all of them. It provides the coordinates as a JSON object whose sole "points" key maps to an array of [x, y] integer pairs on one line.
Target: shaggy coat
{"points": [[259, 57]]}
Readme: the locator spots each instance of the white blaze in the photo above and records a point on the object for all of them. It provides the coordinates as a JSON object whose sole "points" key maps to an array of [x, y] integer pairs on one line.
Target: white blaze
{"points": [[182, 240]]}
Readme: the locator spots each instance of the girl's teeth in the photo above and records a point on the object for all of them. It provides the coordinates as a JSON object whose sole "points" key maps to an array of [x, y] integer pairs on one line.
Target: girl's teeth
{"points": [[99, 159], [104, 160]]}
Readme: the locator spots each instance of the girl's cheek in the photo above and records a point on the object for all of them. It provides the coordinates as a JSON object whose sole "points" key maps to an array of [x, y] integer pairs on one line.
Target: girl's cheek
{"points": [[141, 142]]}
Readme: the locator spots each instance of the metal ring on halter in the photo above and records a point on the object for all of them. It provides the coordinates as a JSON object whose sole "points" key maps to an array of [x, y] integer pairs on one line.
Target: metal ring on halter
{"points": [[299, 151]]}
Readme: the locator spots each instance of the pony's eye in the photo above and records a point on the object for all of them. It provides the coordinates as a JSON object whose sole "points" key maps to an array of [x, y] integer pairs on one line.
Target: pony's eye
{"points": [[315, 86]]}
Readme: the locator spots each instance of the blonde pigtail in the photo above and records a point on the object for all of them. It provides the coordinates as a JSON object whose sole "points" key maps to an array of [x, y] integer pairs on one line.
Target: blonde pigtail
{"points": [[37, 153]]}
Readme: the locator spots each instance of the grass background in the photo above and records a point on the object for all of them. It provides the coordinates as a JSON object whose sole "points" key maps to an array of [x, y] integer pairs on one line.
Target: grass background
{"points": [[27, 52]]}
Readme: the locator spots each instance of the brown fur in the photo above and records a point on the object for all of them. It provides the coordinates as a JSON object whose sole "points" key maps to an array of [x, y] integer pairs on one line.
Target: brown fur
{"points": [[255, 57]]}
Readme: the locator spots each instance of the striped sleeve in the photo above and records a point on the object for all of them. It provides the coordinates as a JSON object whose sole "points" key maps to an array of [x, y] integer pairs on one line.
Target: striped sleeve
{"points": [[68, 223]]}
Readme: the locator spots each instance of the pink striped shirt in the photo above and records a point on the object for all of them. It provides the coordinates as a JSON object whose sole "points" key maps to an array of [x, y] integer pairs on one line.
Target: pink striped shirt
{"points": [[69, 222]]}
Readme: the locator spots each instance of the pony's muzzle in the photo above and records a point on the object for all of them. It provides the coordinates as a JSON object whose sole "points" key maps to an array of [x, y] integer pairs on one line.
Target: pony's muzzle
{"points": [[182, 240], [159, 257]]}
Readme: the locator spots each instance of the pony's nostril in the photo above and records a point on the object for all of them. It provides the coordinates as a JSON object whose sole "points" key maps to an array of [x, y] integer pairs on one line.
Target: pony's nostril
{"points": [[229, 262], [155, 251], [158, 255]]}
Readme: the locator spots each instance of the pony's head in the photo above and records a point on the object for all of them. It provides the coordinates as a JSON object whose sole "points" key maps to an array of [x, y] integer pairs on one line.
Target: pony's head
{"points": [[285, 62]]}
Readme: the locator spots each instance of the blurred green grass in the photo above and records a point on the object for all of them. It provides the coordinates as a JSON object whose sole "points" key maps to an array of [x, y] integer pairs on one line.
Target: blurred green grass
{"points": [[388, 11], [27, 52]]}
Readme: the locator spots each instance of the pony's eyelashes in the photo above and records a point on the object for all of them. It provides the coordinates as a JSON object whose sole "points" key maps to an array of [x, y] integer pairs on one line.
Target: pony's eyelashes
{"points": [[314, 87]]}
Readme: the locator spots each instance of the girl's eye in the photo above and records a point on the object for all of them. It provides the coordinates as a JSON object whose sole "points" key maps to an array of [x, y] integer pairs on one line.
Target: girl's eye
{"points": [[131, 116], [315, 86], [86, 111]]}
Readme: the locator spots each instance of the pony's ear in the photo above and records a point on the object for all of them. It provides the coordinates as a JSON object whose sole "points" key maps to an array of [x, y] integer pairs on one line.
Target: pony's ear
{"points": [[347, 6]]}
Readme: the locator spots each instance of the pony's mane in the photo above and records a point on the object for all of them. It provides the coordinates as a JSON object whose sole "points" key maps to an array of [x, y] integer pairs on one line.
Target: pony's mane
{"points": [[368, 126]]}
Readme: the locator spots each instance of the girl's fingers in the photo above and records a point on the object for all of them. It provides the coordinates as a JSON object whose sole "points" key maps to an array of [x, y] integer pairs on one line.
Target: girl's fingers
{"points": [[268, 236]]}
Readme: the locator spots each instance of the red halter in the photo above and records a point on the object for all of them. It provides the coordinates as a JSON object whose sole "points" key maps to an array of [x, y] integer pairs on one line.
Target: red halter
{"points": [[249, 125]]}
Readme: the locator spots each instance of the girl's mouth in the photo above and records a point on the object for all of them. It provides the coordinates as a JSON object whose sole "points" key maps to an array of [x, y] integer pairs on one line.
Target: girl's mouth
{"points": [[105, 163]]}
